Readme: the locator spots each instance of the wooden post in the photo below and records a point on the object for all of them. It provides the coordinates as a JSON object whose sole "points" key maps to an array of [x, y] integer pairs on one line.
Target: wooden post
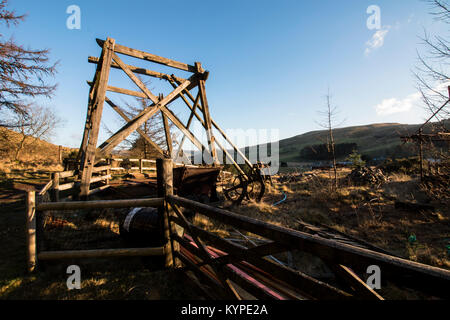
{"points": [[31, 230], [55, 187], [97, 109], [60, 154], [141, 166], [164, 169]]}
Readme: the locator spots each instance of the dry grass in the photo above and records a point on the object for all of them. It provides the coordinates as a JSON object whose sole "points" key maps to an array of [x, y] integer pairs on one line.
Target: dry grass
{"points": [[365, 212]]}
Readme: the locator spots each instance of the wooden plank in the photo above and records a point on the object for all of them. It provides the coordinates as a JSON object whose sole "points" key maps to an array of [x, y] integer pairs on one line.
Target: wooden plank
{"points": [[177, 122], [100, 178], [215, 125], [66, 174], [150, 57], [205, 254], [124, 91], [164, 182], [306, 284], [355, 257], [100, 204], [96, 190], [135, 79], [361, 288], [206, 114], [143, 116], [55, 187], [138, 130], [66, 186], [100, 253], [100, 93], [188, 124], [102, 168], [46, 188], [82, 150], [167, 134], [31, 231], [139, 70]]}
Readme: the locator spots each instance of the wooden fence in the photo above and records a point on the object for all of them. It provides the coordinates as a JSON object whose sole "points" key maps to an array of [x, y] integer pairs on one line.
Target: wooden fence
{"points": [[228, 268]]}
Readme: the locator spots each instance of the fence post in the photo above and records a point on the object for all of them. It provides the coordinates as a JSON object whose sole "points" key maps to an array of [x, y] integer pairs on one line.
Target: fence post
{"points": [[31, 230], [55, 187], [140, 166], [164, 168], [60, 154]]}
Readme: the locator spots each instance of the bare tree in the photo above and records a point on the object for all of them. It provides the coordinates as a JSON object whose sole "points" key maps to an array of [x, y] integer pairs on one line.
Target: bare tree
{"points": [[329, 115], [39, 123], [432, 73], [22, 72], [153, 128]]}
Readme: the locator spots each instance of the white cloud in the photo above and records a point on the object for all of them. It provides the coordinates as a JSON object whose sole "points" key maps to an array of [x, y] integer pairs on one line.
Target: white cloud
{"points": [[394, 105], [377, 40]]}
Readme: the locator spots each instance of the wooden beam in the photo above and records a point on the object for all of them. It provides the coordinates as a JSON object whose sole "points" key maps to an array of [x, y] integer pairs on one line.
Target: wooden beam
{"points": [[144, 115], [177, 122], [31, 230], [150, 57], [206, 256], [138, 70], [188, 124], [138, 130], [362, 290], [164, 181], [213, 123], [100, 204], [124, 91], [100, 253], [167, 134], [304, 283], [99, 98], [135, 79], [206, 114]]}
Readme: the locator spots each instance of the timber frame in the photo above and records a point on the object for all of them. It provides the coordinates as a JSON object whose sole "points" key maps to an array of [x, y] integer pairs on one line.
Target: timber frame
{"points": [[89, 152]]}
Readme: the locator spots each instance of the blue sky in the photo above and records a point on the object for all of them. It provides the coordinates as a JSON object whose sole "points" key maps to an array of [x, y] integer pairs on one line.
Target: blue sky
{"points": [[270, 62]]}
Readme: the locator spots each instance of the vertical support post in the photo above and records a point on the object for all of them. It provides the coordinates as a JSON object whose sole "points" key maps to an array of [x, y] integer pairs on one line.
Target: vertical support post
{"points": [[31, 231], [167, 135], [96, 113], [108, 171], [55, 187], [206, 114], [140, 166], [60, 154], [164, 168]]}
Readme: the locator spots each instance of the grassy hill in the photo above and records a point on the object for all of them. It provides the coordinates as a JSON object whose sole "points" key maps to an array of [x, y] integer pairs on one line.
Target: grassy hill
{"points": [[375, 140], [36, 153]]}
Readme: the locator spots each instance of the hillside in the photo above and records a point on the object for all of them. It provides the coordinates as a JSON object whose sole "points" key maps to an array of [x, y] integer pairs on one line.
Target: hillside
{"points": [[35, 153], [375, 140]]}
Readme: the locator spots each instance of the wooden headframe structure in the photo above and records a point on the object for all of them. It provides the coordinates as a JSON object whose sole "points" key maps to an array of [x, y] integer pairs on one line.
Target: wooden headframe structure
{"points": [[89, 153]]}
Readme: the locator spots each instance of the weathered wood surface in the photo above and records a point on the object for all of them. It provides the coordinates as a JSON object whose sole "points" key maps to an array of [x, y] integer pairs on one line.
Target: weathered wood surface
{"points": [[99, 204], [31, 230], [97, 109], [100, 253], [150, 57], [138, 70]]}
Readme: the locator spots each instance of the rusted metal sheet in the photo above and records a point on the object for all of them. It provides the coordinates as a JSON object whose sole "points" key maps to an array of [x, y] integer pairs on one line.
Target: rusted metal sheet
{"points": [[196, 181]]}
